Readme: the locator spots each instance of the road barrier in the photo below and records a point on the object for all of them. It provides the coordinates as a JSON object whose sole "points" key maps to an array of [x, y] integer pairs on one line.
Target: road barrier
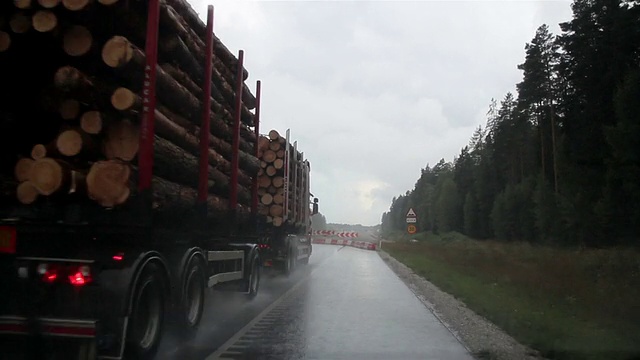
{"points": [[341, 242], [343, 234]]}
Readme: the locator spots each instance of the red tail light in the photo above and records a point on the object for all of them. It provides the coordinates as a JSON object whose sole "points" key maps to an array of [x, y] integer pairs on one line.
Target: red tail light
{"points": [[78, 279], [77, 275], [50, 277]]}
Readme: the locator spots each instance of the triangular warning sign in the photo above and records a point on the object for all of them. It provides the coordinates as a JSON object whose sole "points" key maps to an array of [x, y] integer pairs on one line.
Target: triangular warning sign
{"points": [[411, 213]]}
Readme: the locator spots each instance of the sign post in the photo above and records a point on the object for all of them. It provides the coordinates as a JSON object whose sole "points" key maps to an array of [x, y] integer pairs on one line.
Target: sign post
{"points": [[412, 220]]}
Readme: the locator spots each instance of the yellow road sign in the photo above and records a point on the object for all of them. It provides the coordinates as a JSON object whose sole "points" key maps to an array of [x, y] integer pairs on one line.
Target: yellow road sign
{"points": [[412, 229]]}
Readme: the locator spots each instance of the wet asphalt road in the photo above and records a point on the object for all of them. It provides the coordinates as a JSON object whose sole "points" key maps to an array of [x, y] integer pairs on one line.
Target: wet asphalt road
{"points": [[346, 304]]}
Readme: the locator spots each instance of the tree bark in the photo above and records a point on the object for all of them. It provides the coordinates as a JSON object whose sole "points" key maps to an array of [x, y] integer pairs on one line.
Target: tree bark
{"points": [[77, 41], [44, 21]]}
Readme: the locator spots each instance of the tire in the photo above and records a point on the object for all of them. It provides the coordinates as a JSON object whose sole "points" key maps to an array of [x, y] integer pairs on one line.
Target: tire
{"points": [[304, 261], [147, 315], [254, 278], [290, 263], [191, 308]]}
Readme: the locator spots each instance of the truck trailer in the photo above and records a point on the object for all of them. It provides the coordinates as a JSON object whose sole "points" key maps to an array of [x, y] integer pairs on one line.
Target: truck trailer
{"points": [[130, 165]]}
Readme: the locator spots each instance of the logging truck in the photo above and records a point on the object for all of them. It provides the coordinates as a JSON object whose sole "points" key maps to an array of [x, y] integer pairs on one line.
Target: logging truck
{"points": [[133, 176]]}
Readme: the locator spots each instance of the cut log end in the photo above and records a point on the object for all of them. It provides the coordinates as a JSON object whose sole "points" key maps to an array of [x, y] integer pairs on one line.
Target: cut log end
{"points": [[278, 199], [263, 143], [69, 143], [123, 99], [91, 122], [69, 109], [275, 210], [277, 221], [47, 175], [5, 41], [278, 163], [278, 181], [121, 141], [77, 41], [266, 199], [38, 152], [274, 146], [27, 193], [20, 23], [269, 156], [48, 4], [22, 4], [75, 5], [271, 171], [23, 168], [117, 51], [44, 21], [68, 77], [108, 182], [274, 135]]}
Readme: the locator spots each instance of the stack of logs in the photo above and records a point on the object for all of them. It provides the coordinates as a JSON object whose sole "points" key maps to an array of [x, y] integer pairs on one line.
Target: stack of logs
{"points": [[76, 68]]}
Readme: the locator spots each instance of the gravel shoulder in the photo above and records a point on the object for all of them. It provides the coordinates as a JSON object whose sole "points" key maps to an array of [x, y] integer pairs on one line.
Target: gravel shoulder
{"points": [[481, 337]]}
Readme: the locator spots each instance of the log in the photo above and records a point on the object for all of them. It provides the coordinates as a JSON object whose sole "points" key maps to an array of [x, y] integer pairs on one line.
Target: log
{"points": [[269, 156], [274, 146], [263, 164], [264, 181], [125, 99], [280, 154], [271, 171], [48, 4], [272, 190], [69, 78], [274, 135], [69, 109], [74, 141], [277, 221], [107, 2], [27, 193], [77, 41], [44, 21], [263, 210], [22, 4], [262, 191], [49, 175], [278, 199], [91, 122], [275, 210], [280, 191], [121, 140], [23, 168], [278, 181], [20, 23], [108, 182], [278, 164], [266, 199], [263, 143], [5, 41], [39, 151], [75, 5]]}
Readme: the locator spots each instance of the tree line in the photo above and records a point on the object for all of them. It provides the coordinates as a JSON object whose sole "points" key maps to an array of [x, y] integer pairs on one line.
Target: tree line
{"points": [[559, 161]]}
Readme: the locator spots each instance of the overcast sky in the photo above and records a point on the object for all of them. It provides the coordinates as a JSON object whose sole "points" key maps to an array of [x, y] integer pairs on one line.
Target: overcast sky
{"points": [[374, 91]]}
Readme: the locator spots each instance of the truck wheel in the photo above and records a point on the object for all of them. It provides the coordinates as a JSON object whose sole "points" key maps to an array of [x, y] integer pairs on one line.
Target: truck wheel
{"points": [[290, 263], [304, 261], [254, 278], [147, 315], [192, 304]]}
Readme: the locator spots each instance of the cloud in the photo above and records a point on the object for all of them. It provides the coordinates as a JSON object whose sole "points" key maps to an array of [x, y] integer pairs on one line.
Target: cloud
{"points": [[373, 91]]}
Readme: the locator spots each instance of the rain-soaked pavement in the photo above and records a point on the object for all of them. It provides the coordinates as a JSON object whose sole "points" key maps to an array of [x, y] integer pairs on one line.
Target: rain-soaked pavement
{"points": [[346, 304]]}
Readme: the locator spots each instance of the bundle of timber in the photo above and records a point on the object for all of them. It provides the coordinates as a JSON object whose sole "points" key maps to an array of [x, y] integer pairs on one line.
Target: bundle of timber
{"points": [[282, 181], [73, 74]]}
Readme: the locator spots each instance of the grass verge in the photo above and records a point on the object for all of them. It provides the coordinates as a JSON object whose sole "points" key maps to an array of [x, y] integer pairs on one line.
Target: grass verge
{"points": [[568, 304]]}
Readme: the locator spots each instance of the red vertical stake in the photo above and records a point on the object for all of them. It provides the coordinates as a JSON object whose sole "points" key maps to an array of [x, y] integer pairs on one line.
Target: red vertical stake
{"points": [[233, 196], [145, 155], [205, 128], [256, 125]]}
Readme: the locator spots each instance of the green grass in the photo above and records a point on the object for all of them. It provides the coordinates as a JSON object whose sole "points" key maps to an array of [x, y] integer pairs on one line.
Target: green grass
{"points": [[568, 304]]}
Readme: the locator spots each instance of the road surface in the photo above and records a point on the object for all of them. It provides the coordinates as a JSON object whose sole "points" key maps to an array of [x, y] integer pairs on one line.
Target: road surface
{"points": [[346, 304]]}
